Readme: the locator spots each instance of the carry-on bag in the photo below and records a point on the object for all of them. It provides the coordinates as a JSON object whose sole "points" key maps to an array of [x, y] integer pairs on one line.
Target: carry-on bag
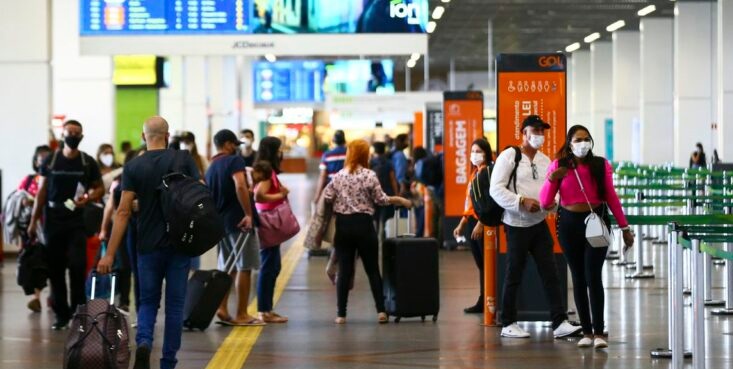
{"points": [[207, 288], [98, 335], [410, 271]]}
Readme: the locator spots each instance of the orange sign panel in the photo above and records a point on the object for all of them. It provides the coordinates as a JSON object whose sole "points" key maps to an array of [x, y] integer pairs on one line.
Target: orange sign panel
{"points": [[464, 118]]}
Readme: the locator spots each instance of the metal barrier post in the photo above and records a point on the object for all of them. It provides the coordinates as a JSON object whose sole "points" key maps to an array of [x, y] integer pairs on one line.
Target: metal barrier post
{"points": [[708, 266], [675, 302], [728, 309], [687, 268], [698, 307], [639, 251]]}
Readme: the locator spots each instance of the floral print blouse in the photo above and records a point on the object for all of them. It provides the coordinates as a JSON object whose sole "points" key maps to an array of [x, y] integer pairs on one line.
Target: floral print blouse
{"points": [[354, 193]]}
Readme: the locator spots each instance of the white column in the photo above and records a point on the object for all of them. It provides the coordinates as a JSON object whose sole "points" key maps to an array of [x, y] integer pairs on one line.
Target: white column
{"points": [[171, 97], [25, 93], [247, 117], [657, 90], [601, 85], [580, 88], [725, 80], [195, 118], [625, 102], [223, 91], [693, 63], [82, 85]]}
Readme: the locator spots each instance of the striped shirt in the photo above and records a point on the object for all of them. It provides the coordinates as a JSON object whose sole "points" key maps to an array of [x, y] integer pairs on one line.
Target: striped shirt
{"points": [[333, 161]]}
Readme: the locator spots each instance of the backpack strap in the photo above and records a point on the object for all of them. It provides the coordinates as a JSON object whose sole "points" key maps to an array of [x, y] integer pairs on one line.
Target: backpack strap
{"points": [[517, 159], [52, 164], [28, 182]]}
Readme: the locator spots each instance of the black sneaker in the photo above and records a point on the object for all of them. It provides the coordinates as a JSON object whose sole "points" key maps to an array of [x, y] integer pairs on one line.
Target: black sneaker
{"points": [[475, 309], [60, 325], [142, 358]]}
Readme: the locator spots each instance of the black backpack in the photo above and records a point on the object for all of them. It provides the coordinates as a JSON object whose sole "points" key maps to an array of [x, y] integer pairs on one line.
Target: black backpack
{"points": [[194, 225], [431, 172], [488, 211]]}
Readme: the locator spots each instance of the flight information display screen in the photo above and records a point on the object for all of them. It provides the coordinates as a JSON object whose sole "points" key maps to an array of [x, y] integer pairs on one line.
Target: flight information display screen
{"points": [[289, 81], [171, 17]]}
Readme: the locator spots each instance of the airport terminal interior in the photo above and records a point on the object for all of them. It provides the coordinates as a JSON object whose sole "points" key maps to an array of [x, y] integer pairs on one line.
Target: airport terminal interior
{"points": [[392, 184]]}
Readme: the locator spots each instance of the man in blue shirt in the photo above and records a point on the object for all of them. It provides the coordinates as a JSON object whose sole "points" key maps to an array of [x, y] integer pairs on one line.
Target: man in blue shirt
{"points": [[399, 161], [157, 261], [331, 162], [226, 177]]}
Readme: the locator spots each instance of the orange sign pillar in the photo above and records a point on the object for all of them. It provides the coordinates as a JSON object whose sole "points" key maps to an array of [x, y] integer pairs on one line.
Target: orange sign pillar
{"points": [[490, 276]]}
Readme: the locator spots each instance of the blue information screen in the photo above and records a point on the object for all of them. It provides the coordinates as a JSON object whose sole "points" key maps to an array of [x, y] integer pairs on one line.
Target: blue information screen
{"points": [[171, 17], [289, 81]]}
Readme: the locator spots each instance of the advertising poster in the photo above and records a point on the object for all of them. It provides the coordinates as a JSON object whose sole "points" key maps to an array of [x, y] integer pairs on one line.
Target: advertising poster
{"points": [[435, 130], [463, 115], [530, 84]]}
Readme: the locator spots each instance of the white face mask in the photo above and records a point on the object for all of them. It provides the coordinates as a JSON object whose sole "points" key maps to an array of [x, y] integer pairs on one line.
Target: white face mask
{"points": [[536, 141], [580, 149], [246, 143], [107, 159], [185, 147], [477, 158]]}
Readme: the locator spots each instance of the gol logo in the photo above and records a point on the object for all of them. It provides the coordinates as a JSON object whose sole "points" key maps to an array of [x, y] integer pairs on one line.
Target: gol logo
{"points": [[550, 61]]}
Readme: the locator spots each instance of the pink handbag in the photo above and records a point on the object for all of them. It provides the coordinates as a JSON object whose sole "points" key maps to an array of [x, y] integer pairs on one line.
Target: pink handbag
{"points": [[277, 225]]}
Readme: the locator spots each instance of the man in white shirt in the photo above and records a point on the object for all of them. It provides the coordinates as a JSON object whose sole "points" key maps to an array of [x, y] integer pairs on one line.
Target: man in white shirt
{"points": [[526, 228]]}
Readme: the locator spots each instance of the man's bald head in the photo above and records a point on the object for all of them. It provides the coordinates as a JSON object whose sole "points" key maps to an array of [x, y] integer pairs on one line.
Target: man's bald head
{"points": [[155, 131]]}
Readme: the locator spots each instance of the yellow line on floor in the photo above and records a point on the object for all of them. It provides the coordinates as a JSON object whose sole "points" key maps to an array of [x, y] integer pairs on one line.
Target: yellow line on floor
{"points": [[236, 347]]}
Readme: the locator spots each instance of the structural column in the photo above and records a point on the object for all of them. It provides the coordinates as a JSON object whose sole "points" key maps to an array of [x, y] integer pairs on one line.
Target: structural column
{"points": [[601, 84], [82, 85], [580, 88], [626, 112], [725, 79], [195, 118], [657, 90], [223, 90], [693, 69], [25, 87]]}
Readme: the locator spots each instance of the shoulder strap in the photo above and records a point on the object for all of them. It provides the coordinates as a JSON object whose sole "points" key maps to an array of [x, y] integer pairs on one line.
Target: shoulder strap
{"points": [[582, 188], [53, 159], [29, 181], [517, 159]]}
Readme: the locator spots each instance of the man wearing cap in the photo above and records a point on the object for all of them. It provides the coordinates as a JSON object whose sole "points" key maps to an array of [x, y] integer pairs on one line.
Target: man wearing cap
{"points": [[226, 177], [331, 162], [526, 229]]}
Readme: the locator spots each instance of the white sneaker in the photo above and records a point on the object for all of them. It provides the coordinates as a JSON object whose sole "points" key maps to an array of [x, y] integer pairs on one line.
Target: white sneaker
{"points": [[585, 342], [514, 331], [566, 329], [600, 343]]}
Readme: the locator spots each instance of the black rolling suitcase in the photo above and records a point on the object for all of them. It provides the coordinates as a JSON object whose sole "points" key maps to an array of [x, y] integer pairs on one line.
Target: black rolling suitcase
{"points": [[206, 289], [411, 281]]}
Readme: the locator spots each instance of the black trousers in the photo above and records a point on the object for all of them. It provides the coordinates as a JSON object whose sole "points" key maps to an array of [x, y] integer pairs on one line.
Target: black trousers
{"points": [[355, 232], [66, 250], [586, 266], [537, 242], [477, 249]]}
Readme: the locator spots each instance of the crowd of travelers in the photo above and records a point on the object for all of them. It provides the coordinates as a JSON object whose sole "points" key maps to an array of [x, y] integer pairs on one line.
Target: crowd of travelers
{"points": [[77, 214]]}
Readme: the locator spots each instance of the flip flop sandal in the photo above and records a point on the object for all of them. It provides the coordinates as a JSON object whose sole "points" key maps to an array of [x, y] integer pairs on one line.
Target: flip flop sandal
{"points": [[254, 322]]}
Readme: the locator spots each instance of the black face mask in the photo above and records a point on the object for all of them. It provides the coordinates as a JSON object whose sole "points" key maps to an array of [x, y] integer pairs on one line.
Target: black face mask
{"points": [[72, 141]]}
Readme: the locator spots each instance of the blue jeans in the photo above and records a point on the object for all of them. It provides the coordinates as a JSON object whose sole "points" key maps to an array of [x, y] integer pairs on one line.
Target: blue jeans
{"points": [[131, 244], [269, 270], [154, 267]]}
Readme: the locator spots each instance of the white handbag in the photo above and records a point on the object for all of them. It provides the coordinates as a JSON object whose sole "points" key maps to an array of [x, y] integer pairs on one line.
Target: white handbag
{"points": [[596, 231]]}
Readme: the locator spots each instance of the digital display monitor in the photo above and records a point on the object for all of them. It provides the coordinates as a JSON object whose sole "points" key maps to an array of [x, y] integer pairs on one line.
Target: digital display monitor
{"points": [[139, 70], [355, 77], [291, 81], [222, 17]]}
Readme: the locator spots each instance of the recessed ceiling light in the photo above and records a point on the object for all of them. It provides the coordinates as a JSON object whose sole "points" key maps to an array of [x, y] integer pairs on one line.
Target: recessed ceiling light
{"points": [[411, 63], [592, 37], [572, 47], [415, 56], [270, 57], [431, 26], [446, 1], [647, 10], [438, 12], [615, 26]]}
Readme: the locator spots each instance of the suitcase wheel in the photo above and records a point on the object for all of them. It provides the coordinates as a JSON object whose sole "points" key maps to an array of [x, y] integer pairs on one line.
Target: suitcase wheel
{"points": [[435, 318], [397, 319], [423, 318]]}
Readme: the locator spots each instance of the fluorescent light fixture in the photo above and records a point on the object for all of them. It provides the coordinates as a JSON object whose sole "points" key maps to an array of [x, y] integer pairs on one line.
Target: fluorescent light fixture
{"points": [[647, 10], [592, 37], [447, 1], [411, 63], [615, 26], [431, 26], [572, 47], [415, 56], [438, 12], [270, 57]]}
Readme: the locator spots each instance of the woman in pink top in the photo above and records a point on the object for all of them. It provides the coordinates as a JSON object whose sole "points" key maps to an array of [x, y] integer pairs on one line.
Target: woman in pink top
{"points": [[355, 192], [585, 261]]}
